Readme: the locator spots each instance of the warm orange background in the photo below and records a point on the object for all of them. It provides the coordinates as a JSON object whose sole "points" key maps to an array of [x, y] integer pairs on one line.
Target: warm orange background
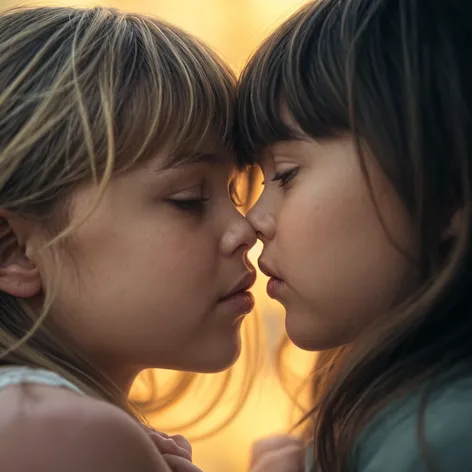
{"points": [[234, 28]]}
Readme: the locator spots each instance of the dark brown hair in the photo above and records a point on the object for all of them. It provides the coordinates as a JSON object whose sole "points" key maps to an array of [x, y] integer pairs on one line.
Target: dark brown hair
{"points": [[397, 75]]}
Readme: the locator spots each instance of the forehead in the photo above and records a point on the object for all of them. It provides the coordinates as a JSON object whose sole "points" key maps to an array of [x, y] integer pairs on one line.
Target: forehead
{"points": [[293, 145], [207, 151], [166, 160], [197, 157]]}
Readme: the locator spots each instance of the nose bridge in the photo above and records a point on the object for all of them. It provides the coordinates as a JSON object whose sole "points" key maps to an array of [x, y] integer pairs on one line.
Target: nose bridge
{"points": [[238, 233], [261, 219]]}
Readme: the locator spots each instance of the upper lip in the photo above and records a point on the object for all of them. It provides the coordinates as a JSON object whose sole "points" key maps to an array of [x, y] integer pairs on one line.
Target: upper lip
{"points": [[244, 284], [266, 270]]}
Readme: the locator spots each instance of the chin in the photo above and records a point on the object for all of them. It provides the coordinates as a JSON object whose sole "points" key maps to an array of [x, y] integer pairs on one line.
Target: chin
{"points": [[211, 357], [216, 365], [309, 337]]}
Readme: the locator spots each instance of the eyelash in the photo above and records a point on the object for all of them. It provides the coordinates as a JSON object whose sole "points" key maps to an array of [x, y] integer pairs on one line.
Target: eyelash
{"points": [[197, 205], [191, 205], [284, 178]]}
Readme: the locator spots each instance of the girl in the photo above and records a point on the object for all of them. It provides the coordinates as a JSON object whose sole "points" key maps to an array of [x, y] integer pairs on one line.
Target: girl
{"points": [[120, 247], [359, 113]]}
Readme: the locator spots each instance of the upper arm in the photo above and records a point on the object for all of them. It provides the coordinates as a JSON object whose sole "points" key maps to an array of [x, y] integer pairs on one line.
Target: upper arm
{"points": [[86, 436]]}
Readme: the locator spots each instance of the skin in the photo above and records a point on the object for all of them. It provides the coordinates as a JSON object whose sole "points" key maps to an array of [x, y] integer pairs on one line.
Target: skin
{"points": [[335, 267], [38, 419], [323, 237], [143, 282], [143, 277]]}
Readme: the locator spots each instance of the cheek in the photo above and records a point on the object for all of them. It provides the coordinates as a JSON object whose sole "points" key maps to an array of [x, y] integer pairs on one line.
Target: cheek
{"points": [[336, 253], [317, 216], [130, 289], [186, 262], [169, 270]]}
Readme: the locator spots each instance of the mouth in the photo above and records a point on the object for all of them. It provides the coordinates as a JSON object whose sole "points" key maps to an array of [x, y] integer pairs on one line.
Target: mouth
{"points": [[243, 286], [275, 284], [266, 270]]}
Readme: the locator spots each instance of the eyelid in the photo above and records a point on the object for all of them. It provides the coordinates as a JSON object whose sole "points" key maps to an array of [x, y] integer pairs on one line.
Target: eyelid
{"points": [[283, 172], [191, 193], [186, 196], [284, 178], [281, 168], [284, 166]]}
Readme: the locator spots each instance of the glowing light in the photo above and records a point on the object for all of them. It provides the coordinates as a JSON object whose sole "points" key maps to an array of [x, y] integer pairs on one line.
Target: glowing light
{"points": [[234, 28]]}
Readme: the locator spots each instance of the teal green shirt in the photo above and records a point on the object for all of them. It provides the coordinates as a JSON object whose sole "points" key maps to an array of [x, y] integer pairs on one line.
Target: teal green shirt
{"points": [[390, 442]]}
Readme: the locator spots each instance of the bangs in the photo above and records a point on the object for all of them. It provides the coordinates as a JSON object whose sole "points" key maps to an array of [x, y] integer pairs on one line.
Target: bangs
{"points": [[178, 95], [101, 91], [294, 78], [145, 86]]}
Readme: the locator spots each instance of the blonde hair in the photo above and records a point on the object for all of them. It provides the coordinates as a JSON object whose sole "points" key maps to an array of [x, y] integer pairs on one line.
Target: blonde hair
{"points": [[85, 94]]}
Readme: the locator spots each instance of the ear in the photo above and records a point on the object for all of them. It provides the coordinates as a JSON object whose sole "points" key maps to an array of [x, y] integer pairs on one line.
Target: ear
{"points": [[19, 275]]}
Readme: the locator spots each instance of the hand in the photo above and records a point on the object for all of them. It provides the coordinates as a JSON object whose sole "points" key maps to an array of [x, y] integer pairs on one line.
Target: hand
{"points": [[176, 451], [175, 445], [278, 454], [179, 464]]}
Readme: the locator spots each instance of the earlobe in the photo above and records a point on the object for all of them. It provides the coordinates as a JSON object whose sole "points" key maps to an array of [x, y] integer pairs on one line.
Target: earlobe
{"points": [[19, 275]]}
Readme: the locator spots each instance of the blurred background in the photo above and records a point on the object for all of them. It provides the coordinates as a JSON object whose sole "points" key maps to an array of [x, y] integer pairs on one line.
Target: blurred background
{"points": [[198, 406]]}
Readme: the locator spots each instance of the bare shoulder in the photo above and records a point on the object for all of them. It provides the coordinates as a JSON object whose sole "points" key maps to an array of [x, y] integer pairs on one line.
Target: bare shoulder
{"points": [[52, 429]]}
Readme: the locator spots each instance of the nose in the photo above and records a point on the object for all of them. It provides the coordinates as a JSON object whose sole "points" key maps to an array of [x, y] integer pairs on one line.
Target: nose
{"points": [[239, 235], [262, 220]]}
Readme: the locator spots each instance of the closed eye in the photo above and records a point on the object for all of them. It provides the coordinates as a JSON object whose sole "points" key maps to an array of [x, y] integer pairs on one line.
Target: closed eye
{"points": [[189, 205], [284, 178]]}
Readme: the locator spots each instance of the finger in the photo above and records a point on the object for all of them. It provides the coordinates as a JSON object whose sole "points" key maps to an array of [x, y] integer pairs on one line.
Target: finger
{"points": [[154, 431], [273, 443], [177, 438], [179, 464], [150, 429], [287, 459], [169, 446], [182, 442]]}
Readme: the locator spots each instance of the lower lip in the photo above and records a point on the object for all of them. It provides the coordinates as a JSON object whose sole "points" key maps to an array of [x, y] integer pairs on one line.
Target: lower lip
{"points": [[241, 303], [274, 286]]}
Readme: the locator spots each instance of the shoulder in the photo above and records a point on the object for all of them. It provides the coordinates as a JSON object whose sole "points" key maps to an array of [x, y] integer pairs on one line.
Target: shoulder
{"points": [[391, 442], [64, 431]]}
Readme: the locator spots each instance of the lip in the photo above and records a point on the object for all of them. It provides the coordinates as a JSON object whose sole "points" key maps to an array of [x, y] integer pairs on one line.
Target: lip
{"points": [[275, 283], [266, 270], [244, 285], [274, 288]]}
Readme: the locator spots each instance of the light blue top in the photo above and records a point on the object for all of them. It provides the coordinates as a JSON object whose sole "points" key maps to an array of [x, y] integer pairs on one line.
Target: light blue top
{"points": [[26, 375], [390, 442]]}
